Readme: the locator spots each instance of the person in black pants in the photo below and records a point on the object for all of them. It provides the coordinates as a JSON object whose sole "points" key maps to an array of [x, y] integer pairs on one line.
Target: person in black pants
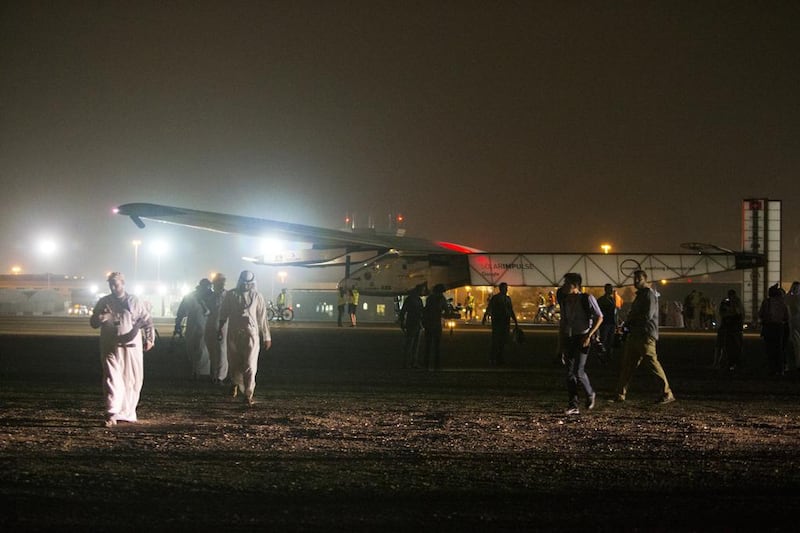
{"points": [[435, 306], [501, 310]]}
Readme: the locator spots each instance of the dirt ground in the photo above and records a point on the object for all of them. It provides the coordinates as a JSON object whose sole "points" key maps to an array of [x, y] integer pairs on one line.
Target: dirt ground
{"points": [[343, 438]]}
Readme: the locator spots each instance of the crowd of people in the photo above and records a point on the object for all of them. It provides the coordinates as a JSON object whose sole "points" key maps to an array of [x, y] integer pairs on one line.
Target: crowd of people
{"points": [[779, 316], [778, 321], [225, 330]]}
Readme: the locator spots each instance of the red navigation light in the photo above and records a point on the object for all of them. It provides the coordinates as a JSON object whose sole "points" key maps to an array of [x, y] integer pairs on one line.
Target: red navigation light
{"points": [[460, 248]]}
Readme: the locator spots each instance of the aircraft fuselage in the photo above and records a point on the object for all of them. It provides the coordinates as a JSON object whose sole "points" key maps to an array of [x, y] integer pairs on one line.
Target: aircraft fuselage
{"points": [[393, 274]]}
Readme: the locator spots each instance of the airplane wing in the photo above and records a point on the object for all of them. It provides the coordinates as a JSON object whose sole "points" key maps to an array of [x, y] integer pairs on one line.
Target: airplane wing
{"points": [[320, 238]]}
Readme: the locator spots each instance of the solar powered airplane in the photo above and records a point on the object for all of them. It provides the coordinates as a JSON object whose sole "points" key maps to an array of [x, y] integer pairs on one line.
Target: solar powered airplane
{"points": [[391, 263]]}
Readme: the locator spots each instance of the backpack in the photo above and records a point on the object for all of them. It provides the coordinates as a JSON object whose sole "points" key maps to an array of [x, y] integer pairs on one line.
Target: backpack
{"points": [[587, 307]]}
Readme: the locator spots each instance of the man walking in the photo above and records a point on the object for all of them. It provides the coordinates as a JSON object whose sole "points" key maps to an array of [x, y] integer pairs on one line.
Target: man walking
{"points": [[641, 342], [126, 328], [193, 308], [580, 319], [245, 312], [217, 348]]}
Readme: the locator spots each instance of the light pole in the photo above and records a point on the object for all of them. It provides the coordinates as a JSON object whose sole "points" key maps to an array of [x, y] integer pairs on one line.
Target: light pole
{"points": [[136, 243]]}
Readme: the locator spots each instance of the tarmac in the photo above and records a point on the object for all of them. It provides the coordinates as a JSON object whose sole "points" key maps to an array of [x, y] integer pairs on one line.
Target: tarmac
{"points": [[344, 438]]}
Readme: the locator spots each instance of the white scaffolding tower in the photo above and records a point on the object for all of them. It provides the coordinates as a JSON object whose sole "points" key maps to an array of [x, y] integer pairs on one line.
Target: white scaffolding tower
{"points": [[761, 234]]}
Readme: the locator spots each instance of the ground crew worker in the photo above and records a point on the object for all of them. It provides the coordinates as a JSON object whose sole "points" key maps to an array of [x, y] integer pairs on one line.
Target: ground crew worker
{"points": [[353, 306], [469, 304], [281, 301]]}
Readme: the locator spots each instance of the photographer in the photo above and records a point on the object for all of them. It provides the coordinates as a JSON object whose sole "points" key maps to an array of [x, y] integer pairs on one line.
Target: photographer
{"points": [[580, 319]]}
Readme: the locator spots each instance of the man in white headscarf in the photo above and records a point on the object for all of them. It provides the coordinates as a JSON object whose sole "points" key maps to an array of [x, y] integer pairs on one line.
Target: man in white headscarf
{"points": [[244, 311], [193, 308], [125, 328], [217, 348]]}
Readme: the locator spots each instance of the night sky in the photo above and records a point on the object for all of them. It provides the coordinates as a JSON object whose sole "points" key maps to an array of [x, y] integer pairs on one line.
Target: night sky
{"points": [[507, 126]]}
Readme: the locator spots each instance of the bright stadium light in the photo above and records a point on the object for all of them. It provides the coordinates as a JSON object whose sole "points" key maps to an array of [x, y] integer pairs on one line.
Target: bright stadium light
{"points": [[47, 247], [159, 248]]}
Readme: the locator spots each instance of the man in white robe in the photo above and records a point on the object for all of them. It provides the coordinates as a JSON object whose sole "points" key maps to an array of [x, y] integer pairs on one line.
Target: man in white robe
{"points": [[193, 308], [217, 348], [244, 311], [125, 328]]}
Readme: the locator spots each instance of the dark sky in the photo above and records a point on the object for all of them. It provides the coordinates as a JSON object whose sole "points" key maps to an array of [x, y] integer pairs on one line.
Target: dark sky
{"points": [[508, 126]]}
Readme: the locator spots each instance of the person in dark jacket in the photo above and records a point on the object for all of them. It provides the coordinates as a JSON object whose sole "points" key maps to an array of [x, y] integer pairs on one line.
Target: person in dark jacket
{"points": [[774, 316], [435, 306], [580, 319], [608, 305], [501, 311], [411, 324], [729, 334]]}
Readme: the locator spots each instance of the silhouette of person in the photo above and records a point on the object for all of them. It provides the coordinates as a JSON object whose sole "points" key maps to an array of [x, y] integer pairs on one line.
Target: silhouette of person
{"points": [[608, 327], [691, 310], [501, 311], [435, 306], [411, 324], [729, 334], [469, 305], [774, 316], [793, 303], [352, 306]]}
